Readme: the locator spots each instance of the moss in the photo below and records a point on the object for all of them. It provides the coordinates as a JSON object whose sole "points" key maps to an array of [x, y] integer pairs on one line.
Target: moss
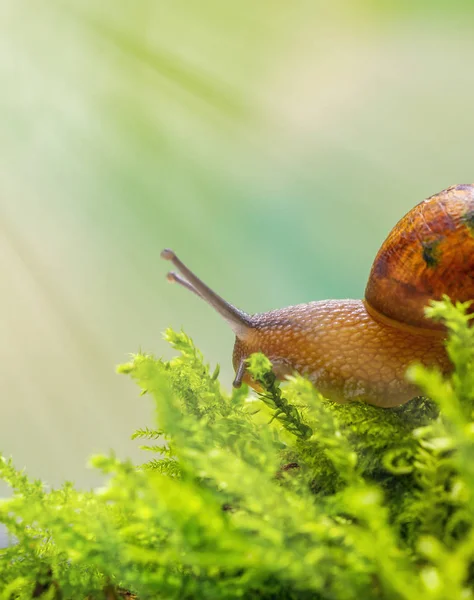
{"points": [[283, 495]]}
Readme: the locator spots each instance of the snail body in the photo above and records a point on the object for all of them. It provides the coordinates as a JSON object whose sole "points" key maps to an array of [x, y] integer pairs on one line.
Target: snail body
{"points": [[361, 349], [343, 350]]}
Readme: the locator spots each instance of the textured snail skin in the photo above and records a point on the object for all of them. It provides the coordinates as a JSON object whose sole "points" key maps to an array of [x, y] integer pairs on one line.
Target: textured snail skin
{"points": [[343, 349]]}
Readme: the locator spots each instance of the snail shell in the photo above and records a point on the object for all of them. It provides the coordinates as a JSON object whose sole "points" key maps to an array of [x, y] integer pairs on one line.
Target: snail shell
{"points": [[429, 253]]}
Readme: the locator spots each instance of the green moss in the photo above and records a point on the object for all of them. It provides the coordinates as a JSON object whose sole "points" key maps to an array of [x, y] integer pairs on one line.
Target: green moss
{"points": [[283, 495]]}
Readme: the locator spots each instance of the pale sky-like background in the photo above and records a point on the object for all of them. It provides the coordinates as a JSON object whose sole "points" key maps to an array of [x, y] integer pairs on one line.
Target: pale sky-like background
{"points": [[273, 145]]}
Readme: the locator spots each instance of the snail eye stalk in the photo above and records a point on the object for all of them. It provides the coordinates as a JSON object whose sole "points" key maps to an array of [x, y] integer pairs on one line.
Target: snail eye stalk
{"points": [[239, 321]]}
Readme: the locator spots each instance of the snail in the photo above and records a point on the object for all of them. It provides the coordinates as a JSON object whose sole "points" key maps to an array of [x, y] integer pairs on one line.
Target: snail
{"points": [[360, 349]]}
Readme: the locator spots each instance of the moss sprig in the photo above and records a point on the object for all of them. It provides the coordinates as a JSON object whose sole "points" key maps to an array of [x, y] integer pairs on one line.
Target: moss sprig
{"points": [[260, 368]]}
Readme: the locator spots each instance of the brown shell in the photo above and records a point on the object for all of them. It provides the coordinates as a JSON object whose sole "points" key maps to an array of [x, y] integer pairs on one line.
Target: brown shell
{"points": [[430, 252]]}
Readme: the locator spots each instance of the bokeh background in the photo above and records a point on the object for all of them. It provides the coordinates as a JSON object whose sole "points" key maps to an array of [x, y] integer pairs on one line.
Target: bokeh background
{"points": [[273, 144]]}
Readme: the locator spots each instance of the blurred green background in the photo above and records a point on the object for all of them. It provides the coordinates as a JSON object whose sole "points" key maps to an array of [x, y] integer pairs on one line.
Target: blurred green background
{"points": [[271, 144]]}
